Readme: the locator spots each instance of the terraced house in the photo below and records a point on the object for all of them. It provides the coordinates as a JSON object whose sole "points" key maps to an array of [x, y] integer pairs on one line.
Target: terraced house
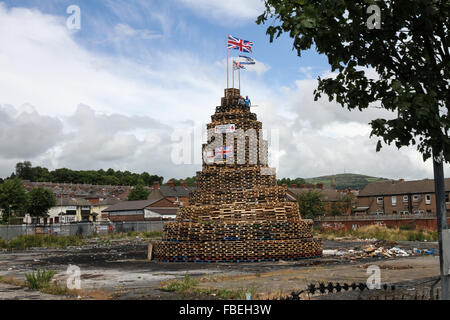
{"points": [[400, 197]]}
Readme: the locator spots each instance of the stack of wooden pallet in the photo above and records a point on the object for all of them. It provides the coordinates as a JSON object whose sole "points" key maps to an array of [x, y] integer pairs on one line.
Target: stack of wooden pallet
{"points": [[238, 212]]}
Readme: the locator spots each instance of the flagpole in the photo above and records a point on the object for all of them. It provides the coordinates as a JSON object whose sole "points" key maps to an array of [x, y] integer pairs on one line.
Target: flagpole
{"points": [[239, 79], [233, 74], [227, 65]]}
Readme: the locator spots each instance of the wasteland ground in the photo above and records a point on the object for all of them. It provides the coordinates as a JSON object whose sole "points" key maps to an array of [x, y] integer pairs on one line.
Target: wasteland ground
{"points": [[120, 269]]}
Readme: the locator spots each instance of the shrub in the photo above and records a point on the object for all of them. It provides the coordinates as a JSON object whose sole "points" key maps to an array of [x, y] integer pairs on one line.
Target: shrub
{"points": [[40, 279]]}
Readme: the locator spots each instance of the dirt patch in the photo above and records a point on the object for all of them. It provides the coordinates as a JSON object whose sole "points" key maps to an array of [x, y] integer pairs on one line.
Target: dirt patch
{"points": [[120, 268]]}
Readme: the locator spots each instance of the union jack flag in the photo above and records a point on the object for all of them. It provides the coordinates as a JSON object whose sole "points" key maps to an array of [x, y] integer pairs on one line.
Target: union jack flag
{"points": [[224, 152], [237, 65], [239, 44]]}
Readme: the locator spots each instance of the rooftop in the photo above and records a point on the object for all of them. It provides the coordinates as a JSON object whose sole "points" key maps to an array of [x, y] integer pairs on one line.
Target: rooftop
{"points": [[130, 205], [401, 187]]}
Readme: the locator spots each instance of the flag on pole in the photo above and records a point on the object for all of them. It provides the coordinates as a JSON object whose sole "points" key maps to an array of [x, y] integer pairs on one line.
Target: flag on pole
{"points": [[239, 44], [237, 65], [246, 58]]}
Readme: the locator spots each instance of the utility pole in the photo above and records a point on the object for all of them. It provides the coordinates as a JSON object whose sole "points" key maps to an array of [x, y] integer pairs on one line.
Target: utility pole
{"points": [[441, 215]]}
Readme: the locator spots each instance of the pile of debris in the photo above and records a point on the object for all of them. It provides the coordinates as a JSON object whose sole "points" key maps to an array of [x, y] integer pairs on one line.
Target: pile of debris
{"points": [[380, 249]]}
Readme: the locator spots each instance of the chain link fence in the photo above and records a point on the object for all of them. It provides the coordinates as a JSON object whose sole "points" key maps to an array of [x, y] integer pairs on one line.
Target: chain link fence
{"points": [[8, 232]]}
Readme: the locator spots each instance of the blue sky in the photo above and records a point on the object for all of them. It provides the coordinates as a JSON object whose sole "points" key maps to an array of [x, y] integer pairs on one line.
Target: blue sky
{"points": [[181, 28], [118, 92]]}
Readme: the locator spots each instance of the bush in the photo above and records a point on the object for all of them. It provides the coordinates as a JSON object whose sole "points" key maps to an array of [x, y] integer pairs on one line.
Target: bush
{"points": [[39, 280]]}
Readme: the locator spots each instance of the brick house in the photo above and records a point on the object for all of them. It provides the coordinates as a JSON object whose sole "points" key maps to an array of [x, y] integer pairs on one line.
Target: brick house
{"points": [[167, 199], [400, 197]]}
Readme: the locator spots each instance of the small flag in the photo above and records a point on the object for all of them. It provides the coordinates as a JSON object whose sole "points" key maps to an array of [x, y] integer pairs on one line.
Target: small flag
{"points": [[246, 58], [224, 152], [237, 65], [239, 44]]}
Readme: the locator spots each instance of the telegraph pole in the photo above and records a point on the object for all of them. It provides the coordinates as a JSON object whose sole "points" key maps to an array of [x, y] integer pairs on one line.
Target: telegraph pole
{"points": [[443, 234]]}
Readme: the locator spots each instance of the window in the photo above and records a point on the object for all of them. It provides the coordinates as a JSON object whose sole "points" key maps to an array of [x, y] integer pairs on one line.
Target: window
{"points": [[380, 200], [446, 198], [405, 198], [428, 199], [415, 197], [394, 200]]}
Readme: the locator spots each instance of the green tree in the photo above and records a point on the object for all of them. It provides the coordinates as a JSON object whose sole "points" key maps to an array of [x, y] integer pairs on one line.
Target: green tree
{"points": [[40, 201], [408, 47], [13, 198], [138, 193], [24, 170], [310, 204], [410, 54]]}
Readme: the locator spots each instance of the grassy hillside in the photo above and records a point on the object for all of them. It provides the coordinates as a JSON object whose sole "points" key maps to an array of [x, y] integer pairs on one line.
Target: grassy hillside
{"points": [[346, 180]]}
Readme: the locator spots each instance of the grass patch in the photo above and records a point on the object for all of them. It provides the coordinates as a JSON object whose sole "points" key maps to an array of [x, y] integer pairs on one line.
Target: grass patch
{"points": [[57, 289], [40, 279], [381, 233], [130, 234], [181, 286], [12, 281], [190, 286], [41, 241]]}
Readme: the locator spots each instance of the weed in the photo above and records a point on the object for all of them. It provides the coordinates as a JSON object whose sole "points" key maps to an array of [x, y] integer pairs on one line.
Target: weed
{"points": [[37, 241], [11, 281], [181, 286], [381, 233], [39, 279]]}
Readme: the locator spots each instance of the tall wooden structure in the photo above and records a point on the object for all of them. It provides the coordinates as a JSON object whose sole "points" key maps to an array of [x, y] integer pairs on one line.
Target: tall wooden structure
{"points": [[238, 212]]}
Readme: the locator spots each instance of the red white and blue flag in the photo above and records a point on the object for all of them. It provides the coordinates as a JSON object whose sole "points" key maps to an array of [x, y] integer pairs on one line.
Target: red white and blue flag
{"points": [[237, 65], [224, 152], [239, 44]]}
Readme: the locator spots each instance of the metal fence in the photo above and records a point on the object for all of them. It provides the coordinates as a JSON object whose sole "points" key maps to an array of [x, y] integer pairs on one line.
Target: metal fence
{"points": [[8, 232], [426, 289]]}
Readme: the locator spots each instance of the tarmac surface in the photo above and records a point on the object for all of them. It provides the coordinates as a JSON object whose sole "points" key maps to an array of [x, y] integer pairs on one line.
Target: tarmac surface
{"points": [[122, 269]]}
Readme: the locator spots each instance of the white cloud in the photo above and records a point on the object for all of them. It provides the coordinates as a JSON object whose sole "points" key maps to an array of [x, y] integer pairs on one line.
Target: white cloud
{"points": [[123, 30], [225, 11], [260, 67], [94, 111], [26, 134]]}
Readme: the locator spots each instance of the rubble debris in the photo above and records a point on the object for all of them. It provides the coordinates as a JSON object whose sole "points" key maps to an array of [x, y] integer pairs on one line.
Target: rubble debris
{"points": [[381, 249], [329, 252]]}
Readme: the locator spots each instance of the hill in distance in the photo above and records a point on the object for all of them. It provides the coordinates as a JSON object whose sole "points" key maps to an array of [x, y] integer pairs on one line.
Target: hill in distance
{"points": [[346, 180]]}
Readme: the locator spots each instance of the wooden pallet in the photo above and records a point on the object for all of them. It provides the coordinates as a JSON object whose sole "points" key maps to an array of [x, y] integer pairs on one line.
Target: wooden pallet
{"points": [[237, 214]]}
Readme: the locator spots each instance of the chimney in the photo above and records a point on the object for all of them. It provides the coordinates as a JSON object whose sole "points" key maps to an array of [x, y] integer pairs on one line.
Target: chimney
{"points": [[320, 186], [294, 186], [171, 184], [156, 185], [184, 184]]}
